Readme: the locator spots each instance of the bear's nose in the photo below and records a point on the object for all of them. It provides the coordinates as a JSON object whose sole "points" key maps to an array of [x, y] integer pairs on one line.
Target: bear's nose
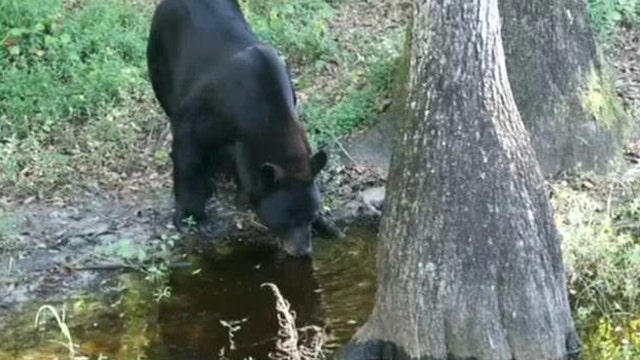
{"points": [[298, 242]]}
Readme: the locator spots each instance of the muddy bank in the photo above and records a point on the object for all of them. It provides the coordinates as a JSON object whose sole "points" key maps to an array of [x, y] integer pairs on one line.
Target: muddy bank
{"points": [[50, 251], [222, 288]]}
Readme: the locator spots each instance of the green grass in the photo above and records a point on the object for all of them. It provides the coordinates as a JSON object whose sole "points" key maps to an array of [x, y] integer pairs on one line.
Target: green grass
{"points": [[77, 108], [606, 15], [299, 29], [64, 67], [68, 76]]}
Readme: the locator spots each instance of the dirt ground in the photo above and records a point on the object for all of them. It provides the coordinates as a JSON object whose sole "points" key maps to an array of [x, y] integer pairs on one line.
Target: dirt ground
{"points": [[50, 251]]}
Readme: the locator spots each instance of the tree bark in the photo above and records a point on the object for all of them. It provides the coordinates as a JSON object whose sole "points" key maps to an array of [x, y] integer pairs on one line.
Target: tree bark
{"points": [[469, 262], [566, 99]]}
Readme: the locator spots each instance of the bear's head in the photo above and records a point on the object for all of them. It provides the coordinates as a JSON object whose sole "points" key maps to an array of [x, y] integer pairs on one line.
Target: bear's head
{"points": [[288, 205]]}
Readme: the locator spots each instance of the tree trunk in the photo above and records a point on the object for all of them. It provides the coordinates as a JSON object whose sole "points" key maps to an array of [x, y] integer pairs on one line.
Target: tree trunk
{"points": [[566, 100], [469, 262]]}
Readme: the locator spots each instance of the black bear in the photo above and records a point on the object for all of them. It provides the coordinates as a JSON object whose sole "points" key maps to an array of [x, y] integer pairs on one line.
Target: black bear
{"points": [[226, 92]]}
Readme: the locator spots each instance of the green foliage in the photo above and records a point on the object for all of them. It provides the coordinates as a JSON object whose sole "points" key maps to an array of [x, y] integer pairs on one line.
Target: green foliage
{"points": [[296, 28], [64, 67], [78, 108], [68, 74], [300, 29], [607, 339], [601, 246], [366, 88], [151, 258], [327, 121], [607, 14]]}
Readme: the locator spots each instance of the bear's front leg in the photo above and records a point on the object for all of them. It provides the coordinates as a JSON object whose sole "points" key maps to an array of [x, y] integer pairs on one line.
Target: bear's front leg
{"points": [[191, 183]]}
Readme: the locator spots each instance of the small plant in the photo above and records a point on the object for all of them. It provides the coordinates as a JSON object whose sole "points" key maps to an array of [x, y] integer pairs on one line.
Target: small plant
{"points": [[607, 14], [232, 327], [64, 329], [151, 259], [75, 78], [297, 28], [601, 248]]}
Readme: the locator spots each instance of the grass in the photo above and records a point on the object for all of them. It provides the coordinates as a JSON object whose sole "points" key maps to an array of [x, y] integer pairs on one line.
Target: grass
{"points": [[601, 245], [299, 29], [64, 329], [75, 77], [607, 15], [79, 111], [151, 258]]}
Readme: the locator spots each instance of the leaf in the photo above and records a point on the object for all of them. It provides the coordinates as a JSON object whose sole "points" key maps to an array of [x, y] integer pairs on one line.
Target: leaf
{"points": [[125, 249], [14, 50], [65, 38], [17, 32]]}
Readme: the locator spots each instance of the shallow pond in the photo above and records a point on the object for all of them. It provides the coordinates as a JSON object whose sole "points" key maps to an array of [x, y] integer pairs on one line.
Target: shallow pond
{"points": [[335, 290]]}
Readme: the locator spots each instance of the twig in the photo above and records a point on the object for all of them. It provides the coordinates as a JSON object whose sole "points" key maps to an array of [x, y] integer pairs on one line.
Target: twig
{"points": [[346, 153], [118, 266]]}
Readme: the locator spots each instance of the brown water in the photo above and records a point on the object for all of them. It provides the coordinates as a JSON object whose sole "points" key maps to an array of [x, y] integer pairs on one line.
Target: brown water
{"points": [[335, 290]]}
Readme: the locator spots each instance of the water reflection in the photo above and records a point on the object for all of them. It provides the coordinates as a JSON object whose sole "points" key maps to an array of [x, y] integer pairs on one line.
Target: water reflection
{"points": [[334, 289], [228, 289]]}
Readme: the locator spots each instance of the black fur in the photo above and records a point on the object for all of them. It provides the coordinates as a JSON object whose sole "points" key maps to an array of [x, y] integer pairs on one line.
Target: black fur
{"points": [[225, 92]]}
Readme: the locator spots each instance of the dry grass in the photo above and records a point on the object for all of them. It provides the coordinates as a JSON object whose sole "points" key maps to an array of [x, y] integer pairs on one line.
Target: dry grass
{"points": [[294, 343], [64, 330]]}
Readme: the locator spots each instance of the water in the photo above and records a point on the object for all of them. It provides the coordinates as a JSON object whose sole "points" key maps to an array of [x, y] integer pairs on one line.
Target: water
{"points": [[335, 290]]}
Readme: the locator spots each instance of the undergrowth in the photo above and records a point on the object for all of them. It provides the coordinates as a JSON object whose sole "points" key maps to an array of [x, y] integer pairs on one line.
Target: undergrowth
{"points": [[74, 79], [348, 98], [607, 15], [78, 110], [600, 226]]}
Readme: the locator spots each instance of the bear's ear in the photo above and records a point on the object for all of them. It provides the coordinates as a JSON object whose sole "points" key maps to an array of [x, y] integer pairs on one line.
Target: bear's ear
{"points": [[270, 175], [318, 162]]}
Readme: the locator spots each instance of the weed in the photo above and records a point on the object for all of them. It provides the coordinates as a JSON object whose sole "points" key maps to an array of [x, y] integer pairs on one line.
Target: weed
{"points": [[297, 28], [232, 327], [607, 14], [69, 74], [601, 246], [152, 259], [64, 329]]}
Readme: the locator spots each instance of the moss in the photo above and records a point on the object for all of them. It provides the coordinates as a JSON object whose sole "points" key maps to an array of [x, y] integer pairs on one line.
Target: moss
{"points": [[139, 309], [401, 87], [600, 100]]}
